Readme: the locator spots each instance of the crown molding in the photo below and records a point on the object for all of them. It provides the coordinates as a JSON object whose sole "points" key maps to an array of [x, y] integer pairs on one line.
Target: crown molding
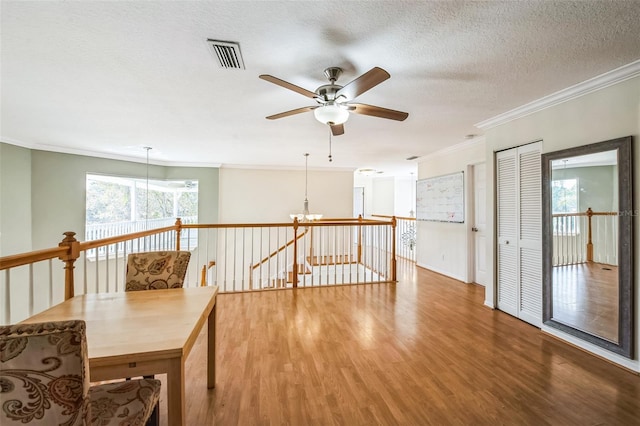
{"points": [[607, 79], [108, 156]]}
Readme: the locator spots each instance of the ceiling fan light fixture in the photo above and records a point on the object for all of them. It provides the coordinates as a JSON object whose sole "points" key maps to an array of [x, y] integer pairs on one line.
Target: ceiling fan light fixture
{"points": [[331, 114]]}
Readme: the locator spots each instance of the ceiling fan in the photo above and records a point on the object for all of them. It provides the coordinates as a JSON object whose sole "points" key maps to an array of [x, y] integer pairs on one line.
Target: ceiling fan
{"points": [[335, 101]]}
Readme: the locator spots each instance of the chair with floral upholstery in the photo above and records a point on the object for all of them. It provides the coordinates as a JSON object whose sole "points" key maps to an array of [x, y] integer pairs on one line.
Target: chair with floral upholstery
{"points": [[44, 379], [154, 270]]}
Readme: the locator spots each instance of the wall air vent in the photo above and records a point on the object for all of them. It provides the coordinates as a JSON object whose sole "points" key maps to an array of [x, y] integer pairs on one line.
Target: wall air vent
{"points": [[413, 157], [226, 53]]}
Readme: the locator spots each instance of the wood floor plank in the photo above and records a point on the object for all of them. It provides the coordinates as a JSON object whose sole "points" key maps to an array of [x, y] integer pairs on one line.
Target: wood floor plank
{"points": [[424, 351]]}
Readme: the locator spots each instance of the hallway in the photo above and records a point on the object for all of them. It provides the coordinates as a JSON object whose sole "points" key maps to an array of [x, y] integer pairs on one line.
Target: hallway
{"points": [[423, 351]]}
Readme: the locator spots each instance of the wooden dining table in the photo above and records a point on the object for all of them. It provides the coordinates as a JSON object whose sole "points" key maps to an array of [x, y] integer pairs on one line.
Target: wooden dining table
{"points": [[143, 333]]}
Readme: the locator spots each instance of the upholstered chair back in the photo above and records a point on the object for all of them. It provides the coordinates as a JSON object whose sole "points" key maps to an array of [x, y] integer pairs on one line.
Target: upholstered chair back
{"points": [[44, 380], [156, 270], [43, 376]]}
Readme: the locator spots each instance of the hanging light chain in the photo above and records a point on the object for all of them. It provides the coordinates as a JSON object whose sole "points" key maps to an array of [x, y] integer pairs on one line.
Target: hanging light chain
{"points": [[146, 219], [330, 158], [306, 171]]}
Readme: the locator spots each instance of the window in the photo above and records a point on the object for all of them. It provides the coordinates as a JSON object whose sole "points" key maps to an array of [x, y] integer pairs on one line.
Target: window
{"points": [[119, 205], [564, 199]]}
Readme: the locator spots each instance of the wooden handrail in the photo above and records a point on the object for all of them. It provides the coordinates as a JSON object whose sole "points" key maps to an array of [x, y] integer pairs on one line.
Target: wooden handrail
{"points": [[70, 249], [316, 223], [347, 219], [87, 245], [390, 217], [21, 259], [585, 214]]}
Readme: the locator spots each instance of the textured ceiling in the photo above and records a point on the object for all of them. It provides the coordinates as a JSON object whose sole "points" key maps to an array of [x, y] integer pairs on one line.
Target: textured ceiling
{"points": [[108, 78]]}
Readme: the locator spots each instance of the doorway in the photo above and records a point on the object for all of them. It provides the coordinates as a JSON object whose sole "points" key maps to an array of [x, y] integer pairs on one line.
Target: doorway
{"points": [[478, 239], [358, 201]]}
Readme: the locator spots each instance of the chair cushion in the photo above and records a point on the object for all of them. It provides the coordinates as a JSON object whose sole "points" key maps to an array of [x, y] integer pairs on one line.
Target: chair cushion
{"points": [[123, 403], [156, 270], [42, 373]]}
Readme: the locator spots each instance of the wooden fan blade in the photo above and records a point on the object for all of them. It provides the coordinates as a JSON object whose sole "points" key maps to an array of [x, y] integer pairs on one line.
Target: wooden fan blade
{"points": [[287, 85], [366, 81], [377, 111], [337, 129], [292, 112]]}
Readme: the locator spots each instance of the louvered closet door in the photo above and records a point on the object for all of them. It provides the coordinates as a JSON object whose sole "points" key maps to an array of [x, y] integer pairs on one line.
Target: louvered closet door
{"points": [[519, 229], [507, 192], [530, 244]]}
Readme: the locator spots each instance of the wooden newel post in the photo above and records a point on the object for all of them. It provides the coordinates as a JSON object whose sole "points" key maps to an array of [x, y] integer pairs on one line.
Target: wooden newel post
{"points": [[394, 222], [589, 242], [178, 225], [73, 252], [295, 252]]}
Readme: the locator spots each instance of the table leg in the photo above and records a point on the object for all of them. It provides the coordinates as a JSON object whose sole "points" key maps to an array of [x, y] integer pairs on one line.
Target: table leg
{"points": [[175, 392], [211, 349]]}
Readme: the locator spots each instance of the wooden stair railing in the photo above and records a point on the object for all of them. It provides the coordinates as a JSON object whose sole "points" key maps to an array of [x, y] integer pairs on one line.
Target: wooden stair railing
{"points": [[311, 258], [589, 214], [99, 253], [203, 273], [274, 253]]}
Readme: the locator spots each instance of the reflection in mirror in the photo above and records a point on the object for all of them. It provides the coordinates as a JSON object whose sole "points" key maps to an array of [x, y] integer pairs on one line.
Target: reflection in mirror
{"points": [[587, 241]]}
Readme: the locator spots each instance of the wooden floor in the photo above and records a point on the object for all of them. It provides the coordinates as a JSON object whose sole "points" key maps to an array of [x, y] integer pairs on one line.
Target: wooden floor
{"points": [[424, 351], [585, 296]]}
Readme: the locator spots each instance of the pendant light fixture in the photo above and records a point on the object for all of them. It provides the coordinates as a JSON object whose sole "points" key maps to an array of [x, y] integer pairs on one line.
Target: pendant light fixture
{"points": [[146, 217], [305, 216]]}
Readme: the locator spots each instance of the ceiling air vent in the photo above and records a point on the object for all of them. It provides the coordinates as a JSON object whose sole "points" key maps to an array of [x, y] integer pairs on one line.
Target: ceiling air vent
{"points": [[227, 53]]}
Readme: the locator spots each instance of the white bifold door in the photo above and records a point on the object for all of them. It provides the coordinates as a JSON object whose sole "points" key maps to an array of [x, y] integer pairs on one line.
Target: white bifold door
{"points": [[519, 229]]}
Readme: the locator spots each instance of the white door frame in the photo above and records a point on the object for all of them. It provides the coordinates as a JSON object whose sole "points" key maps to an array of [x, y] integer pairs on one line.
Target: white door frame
{"points": [[471, 225]]}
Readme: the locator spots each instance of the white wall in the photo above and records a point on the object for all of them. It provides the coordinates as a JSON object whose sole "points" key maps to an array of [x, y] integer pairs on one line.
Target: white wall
{"points": [[259, 196], [442, 247], [404, 196], [608, 113], [383, 189]]}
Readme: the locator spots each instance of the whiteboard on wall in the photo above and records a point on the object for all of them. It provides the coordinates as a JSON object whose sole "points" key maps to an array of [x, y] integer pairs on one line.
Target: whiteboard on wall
{"points": [[441, 198]]}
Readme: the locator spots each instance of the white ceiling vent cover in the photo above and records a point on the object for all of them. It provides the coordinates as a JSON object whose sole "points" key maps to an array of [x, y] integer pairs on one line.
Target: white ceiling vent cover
{"points": [[227, 53]]}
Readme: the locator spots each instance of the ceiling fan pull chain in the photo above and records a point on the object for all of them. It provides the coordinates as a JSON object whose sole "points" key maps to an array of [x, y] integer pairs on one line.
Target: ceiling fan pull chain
{"points": [[330, 159]]}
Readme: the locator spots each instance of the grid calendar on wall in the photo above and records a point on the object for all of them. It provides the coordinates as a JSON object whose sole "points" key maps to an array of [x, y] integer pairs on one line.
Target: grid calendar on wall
{"points": [[441, 198]]}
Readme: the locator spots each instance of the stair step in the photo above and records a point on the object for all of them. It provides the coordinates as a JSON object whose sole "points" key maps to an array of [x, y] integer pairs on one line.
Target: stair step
{"points": [[290, 274]]}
